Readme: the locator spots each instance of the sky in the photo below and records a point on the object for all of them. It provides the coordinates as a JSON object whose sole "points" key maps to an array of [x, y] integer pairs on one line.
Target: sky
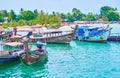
{"points": [[63, 6]]}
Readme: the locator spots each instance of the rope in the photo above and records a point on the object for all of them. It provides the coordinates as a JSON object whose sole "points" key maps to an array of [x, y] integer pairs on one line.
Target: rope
{"points": [[22, 61]]}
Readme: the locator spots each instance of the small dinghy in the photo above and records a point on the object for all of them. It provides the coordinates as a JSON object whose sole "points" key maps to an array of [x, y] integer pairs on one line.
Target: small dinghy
{"points": [[32, 56]]}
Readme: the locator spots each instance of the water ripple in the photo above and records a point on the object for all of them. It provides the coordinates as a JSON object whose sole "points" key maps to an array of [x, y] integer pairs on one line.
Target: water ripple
{"points": [[77, 60]]}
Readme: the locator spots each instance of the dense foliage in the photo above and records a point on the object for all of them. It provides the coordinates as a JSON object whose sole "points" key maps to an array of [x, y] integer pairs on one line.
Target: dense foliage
{"points": [[27, 17]]}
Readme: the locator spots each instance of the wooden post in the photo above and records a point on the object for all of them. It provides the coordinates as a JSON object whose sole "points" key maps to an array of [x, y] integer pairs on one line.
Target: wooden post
{"points": [[15, 30], [26, 49]]}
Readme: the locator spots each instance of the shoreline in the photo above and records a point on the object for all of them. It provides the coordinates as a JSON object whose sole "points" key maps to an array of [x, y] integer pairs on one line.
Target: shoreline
{"points": [[63, 24], [90, 22]]}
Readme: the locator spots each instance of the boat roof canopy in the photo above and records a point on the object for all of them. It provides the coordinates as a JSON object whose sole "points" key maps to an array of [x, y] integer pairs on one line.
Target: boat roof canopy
{"points": [[89, 27], [14, 44]]}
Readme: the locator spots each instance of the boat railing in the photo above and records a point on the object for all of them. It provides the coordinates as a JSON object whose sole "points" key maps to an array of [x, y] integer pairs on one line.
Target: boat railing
{"points": [[4, 53], [52, 34]]}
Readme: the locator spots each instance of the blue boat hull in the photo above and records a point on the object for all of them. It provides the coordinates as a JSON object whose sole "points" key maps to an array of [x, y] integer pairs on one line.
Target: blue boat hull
{"points": [[8, 59], [93, 34], [98, 38]]}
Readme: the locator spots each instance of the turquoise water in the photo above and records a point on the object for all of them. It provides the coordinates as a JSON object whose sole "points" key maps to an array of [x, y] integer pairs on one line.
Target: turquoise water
{"points": [[77, 60]]}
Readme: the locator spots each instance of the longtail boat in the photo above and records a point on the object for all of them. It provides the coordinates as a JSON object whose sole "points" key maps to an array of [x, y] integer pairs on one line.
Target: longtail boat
{"points": [[32, 56], [93, 34], [12, 54], [54, 36]]}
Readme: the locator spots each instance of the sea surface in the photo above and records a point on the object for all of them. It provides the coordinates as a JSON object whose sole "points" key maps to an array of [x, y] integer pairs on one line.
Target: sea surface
{"points": [[74, 60]]}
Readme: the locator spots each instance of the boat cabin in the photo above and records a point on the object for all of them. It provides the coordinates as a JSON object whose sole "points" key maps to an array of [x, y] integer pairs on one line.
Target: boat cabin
{"points": [[88, 31]]}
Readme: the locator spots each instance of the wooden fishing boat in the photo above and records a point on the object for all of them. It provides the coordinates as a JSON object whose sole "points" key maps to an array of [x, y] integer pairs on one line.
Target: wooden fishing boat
{"points": [[92, 34], [9, 56], [55, 36], [32, 56]]}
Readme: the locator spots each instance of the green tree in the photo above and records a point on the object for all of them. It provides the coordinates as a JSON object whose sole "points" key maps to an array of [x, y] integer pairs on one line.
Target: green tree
{"points": [[70, 17], [21, 10], [4, 13], [52, 20], [11, 16], [91, 17], [27, 15], [1, 19], [63, 16], [77, 14], [104, 10], [22, 22], [113, 16], [12, 24], [6, 25], [41, 12], [55, 21], [42, 18], [54, 14], [83, 18], [36, 12], [105, 18], [32, 22]]}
